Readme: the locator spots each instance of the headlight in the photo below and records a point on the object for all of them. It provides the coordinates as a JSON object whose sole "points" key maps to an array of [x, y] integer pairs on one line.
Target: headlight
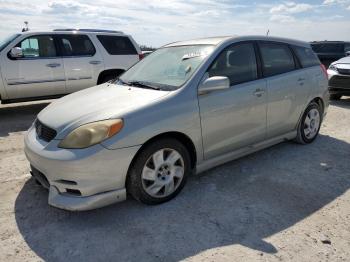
{"points": [[91, 134], [333, 67]]}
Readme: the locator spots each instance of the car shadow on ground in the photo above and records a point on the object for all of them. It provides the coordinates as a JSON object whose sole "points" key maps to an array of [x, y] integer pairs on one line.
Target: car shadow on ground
{"points": [[17, 118], [344, 102], [242, 202]]}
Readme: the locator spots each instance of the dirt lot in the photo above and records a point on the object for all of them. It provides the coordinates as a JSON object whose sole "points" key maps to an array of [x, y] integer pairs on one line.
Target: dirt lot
{"points": [[289, 202]]}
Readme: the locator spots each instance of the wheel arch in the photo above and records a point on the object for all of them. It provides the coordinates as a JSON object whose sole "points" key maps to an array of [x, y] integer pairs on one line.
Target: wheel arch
{"points": [[109, 72], [181, 137]]}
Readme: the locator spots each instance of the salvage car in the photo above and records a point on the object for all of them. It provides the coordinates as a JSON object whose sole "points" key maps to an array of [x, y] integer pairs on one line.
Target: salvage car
{"points": [[185, 108]]}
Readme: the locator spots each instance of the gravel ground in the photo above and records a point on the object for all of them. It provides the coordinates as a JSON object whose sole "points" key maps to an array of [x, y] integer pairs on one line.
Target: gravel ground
{"points": [[286, 203]]}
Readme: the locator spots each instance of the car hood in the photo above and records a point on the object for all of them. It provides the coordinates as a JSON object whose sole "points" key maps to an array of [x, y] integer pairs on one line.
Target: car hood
{"points": [[344, 60], [96, 103]]}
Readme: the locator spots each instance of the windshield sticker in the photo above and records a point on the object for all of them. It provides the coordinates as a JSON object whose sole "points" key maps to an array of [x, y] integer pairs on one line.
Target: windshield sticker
{"points": [[193, 55]]}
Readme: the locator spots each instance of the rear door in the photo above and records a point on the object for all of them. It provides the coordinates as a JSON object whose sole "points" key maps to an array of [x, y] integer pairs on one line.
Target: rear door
{"points": [[235, 117], [38, 73], [286, 86], [119, 51], [82, 61]]}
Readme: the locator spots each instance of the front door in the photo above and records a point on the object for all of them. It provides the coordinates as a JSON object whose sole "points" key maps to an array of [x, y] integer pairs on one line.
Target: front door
{"points": [[235, 117], [38, 73]]}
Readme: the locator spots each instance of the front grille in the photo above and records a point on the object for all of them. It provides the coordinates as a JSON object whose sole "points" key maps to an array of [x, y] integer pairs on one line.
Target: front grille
{"points": [[344, 71], [340, 82], [44, 132]]}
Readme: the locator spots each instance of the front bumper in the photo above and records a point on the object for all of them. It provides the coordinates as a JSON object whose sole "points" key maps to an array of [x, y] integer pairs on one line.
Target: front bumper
{"points": [[79, 179], [338, 83]]}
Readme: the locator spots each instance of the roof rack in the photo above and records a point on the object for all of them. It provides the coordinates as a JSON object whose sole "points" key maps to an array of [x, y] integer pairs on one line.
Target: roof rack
{"points": [[88, 30]]}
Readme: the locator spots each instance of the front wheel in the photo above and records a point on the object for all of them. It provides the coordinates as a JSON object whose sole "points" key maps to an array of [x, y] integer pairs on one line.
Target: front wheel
{"points": [[159, 172], [310, 124]]}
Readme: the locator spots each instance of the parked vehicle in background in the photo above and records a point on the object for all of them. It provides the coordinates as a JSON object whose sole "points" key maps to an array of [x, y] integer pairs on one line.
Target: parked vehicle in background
{"points": [[330, 51], [339, 78], [187, 107], [40, 65]]}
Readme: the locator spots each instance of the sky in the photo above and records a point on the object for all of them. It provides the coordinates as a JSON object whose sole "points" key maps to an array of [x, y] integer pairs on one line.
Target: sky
{"points": [[157, 22]]}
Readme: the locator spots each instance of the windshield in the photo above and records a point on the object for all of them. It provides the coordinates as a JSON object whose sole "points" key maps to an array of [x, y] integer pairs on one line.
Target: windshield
{"points": [[5, 41], [167, 68]]}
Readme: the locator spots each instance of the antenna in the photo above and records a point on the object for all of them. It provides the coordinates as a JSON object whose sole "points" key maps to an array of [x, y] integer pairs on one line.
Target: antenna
{"points": [[268, 32], [25, 28]]}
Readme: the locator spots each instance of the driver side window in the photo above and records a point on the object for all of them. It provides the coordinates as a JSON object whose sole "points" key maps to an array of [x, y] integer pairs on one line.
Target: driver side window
{"points": [[237, 62], [38, 46]]}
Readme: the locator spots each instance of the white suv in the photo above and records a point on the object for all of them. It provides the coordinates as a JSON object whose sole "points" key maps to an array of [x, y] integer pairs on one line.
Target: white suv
{"points": [[41, 65]]}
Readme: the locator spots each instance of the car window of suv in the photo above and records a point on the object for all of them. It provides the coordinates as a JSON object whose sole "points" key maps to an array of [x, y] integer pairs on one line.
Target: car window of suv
{"points": [[328, 48], [306, 56], [347, 48], [117, 45], [276, 58], [38, 46], [76, 45], [237, 62]]}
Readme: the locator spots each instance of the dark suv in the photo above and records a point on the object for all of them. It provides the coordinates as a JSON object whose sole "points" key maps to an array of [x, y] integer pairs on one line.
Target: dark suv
{"points": [[330, 51]]}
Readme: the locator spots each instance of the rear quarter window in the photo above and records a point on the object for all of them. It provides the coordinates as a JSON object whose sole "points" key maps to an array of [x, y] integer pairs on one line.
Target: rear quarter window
{"points": [[117, 45], [306, 56]]}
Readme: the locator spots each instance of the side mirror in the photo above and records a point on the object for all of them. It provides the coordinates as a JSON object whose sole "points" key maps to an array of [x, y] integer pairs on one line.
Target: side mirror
{"points": [[214, 83], [347, 53], [16, 52]]}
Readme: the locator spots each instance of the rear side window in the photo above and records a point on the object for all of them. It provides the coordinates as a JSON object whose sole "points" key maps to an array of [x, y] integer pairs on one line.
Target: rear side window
{"points": [[277, 59], [306, 56], [76, 45], [117, 45], [238, 63], [328, 48]]}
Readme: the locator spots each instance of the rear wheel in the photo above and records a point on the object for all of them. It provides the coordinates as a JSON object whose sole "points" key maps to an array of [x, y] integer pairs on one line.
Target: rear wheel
{"points": [[335, 97], [159, 172], [310, 124]]}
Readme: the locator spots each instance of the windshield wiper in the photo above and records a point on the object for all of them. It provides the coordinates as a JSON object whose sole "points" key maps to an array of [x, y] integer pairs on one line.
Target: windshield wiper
{"points": [[141, 84]]}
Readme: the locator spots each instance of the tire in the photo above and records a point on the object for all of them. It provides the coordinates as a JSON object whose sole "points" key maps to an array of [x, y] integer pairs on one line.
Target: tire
{"points": [[335, 97], [146, 177], [309, 122]]}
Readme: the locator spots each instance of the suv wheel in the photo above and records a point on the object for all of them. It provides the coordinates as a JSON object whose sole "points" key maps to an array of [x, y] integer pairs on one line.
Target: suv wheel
{"points": [[310, 124], [159, 172], [335, 97]]}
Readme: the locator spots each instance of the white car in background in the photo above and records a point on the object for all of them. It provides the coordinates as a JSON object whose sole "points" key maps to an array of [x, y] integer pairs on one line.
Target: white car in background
{"points": [[41, 65]]}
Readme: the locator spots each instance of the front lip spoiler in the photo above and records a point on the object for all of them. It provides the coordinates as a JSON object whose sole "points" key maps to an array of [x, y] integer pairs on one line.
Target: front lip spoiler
{"points": [[75, 203]]}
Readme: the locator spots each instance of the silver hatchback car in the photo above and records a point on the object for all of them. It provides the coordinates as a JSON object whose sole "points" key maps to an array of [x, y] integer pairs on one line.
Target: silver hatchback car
{"points": [[189, 106]]}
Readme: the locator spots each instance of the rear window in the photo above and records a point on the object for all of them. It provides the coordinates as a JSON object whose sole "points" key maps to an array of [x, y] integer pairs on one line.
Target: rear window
{"points": [[328, 48], [277, 59], [76, 45], [117, 45], [306, 56]]}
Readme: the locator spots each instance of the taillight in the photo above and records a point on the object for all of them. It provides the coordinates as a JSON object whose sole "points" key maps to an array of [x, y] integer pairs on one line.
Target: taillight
{"points": [[141, 56], [324, 70]]}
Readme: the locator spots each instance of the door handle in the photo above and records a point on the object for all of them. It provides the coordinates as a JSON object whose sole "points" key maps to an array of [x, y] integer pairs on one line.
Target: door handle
{"points": [[259, 92], [95, 62], [301, 79], [53, 65]]}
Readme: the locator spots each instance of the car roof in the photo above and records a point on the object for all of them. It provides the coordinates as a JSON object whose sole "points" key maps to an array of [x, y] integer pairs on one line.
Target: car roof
{"points": [[69, 31], [222, 39], [328, 42]]}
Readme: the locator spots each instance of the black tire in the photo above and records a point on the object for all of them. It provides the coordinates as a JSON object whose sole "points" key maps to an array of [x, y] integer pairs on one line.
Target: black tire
{"points": [[301, 137], [134, 181], [335, 97]]}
